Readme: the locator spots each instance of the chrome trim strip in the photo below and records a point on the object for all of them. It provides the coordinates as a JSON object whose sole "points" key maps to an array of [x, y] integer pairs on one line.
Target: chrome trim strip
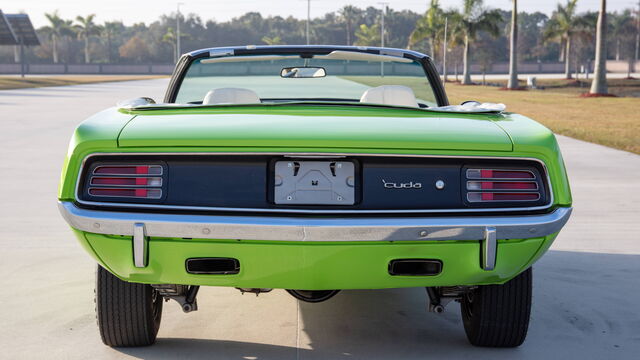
{"points": [[489, 248], [122, 196], [460, 228], [501, 178], [503, 190], [139, 245], [314, 211], [316, 156], [91, 184], [218, 52]]}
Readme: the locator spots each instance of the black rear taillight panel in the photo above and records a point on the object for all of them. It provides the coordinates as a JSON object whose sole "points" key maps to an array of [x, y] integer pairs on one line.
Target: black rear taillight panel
{"points": [[382, 183], [125, 180], [411, 184]]}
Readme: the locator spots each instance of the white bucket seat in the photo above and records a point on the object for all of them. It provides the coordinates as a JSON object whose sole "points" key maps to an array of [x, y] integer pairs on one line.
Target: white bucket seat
{"points": [[396, 95], [230, 96]]}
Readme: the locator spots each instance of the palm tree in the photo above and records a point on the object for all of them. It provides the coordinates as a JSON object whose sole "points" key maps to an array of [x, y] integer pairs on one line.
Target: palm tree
{"points": [[56, 30], [621, 25], [368, 35], [110, 30], [452, 42], [431, 27], [562, 26], [473, 19], [599, 84], [85, 30], [170, 37], [272, 40], [513, 50], [349, 14]]}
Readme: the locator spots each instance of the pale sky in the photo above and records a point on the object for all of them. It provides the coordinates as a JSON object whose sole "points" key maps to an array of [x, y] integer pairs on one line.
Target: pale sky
{"points": [[147, 11]]}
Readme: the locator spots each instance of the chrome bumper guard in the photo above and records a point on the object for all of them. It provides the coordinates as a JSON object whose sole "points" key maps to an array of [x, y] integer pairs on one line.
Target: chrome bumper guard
{"points": [[487, 229]]}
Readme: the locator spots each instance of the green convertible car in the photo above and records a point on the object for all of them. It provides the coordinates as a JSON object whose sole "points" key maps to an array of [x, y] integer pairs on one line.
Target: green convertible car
{"points": [[312, 169]]}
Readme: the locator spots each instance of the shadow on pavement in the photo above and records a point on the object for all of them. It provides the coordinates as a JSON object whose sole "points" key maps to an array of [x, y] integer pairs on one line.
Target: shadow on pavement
{"points": [[585, 305], [176, 348]]}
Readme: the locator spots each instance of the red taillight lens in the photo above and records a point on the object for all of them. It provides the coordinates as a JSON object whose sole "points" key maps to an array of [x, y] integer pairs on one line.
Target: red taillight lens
{"points": [[475, 197], [502, 185], [126, 181], [499, 174], [133, 193], [129, 170]]}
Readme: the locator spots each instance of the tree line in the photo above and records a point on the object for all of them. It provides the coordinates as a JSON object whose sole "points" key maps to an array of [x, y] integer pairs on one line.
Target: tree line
{"points": [[476, 34]]}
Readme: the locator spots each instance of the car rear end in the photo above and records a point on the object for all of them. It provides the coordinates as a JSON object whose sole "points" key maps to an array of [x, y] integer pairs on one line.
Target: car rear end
{"points": [[312, 169], [314, 221]]}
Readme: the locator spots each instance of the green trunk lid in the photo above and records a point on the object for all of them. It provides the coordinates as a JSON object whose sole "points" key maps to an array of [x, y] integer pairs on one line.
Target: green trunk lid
{"points": [[314, 127]]}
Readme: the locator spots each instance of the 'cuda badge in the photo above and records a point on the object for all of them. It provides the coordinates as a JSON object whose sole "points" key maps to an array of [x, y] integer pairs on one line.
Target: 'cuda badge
{"points": [[407, 185]]}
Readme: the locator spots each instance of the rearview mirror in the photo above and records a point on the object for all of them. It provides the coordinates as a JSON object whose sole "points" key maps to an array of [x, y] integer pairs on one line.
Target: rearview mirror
{"points": [[303, 72]]}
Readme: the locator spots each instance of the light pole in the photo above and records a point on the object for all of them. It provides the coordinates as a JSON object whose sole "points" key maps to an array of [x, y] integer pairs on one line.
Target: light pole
{"points": [[384, 10], [513, 49], [308, 20], [637, 33], [444, 52], [178, 50]]}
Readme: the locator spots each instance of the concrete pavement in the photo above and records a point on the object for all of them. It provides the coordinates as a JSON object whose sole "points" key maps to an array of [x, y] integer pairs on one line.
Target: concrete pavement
{"points": [[586, 289]]}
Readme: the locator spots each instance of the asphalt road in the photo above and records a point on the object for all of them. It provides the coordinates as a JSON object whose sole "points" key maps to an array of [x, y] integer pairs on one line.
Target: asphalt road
{"points": [[586, 289]]}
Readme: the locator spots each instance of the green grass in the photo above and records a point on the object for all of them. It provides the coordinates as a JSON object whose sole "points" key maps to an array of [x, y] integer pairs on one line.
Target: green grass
{"points": [[610, 121], [16, 82]]}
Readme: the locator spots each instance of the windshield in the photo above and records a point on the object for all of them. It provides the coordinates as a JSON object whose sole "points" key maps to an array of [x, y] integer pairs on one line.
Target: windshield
{"points": [[335, 77]]}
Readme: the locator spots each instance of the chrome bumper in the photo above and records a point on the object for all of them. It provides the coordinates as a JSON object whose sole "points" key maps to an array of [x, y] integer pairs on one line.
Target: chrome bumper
{"points": [[489, 229], [316, 228]]}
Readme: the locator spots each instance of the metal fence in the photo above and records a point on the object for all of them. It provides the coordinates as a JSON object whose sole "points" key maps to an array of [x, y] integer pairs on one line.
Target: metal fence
{"points": [[106, 69], [613, 66], [166, 69]]}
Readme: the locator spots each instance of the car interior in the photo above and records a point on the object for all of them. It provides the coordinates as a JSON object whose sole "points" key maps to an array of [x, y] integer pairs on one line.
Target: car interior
{"points": [[393, 95]]}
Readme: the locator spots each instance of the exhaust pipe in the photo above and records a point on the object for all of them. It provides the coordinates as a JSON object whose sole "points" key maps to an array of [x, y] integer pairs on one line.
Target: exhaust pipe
{"points": [[213, 266], [415, 267]]}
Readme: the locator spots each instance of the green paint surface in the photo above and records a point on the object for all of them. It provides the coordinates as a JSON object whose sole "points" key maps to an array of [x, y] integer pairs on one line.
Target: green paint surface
{"points": [[312, 266], [314, 128], [306, 128], [319, 127]]}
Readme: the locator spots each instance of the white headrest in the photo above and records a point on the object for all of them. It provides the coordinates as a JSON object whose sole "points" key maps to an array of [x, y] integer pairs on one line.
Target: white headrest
{"points": [[397, 95], [230, 96]]}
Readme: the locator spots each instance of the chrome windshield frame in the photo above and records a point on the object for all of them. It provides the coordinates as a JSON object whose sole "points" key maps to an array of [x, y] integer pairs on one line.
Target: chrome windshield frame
{"points": [[186, 60]]}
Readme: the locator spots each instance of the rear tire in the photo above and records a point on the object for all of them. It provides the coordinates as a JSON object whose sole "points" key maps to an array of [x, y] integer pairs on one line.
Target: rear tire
{"points": [[128, 314], [498, 315]]}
